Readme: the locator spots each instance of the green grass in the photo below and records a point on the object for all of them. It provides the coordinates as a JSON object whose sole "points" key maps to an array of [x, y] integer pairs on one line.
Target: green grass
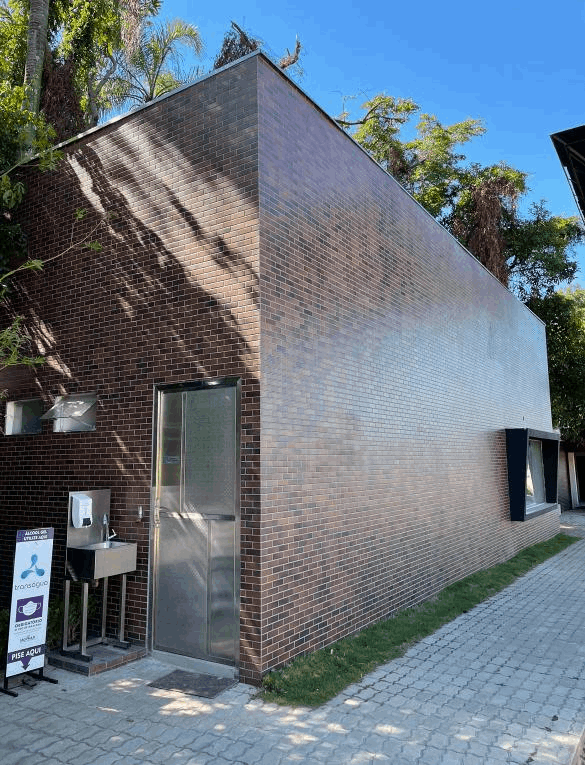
{"points": [[313, 679]]}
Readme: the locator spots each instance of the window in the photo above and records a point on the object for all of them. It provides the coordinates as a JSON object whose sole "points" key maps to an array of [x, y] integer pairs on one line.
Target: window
{"points": [[24, 417], [535, 493], [73, 413], [533, 461]]}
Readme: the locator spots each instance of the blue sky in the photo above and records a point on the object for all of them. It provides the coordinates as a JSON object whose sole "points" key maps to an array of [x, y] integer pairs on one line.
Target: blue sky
{"points": [[516, 65]]}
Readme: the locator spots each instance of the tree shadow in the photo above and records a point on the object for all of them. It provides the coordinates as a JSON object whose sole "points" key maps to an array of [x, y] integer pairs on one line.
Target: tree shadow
{"points": [[170, 297]]}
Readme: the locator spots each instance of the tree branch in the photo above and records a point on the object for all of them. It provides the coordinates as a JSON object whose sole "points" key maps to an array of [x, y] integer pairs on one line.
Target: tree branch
{"points": [[291, 58]]}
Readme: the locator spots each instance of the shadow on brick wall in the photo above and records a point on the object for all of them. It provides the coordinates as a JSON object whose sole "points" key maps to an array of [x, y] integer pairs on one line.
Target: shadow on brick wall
{"points": [[166, 299]]}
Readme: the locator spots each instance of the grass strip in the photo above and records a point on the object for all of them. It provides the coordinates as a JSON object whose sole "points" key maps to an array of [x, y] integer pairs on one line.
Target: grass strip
{"points": [[313, 679]]}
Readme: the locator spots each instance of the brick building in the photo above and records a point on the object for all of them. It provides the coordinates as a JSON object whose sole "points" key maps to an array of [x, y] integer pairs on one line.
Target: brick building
{"points": [[299, 376]]}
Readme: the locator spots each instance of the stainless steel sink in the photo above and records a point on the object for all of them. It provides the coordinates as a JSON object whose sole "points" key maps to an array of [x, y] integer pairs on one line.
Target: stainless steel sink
{"points": [[104, 545], [102, 559]]}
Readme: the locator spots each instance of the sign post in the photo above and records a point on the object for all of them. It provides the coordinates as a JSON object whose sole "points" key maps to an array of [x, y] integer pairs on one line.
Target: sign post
{"points": [[27, 628]]}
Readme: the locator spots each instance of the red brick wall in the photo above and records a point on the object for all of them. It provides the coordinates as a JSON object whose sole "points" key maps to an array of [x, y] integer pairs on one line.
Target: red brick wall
{"points": [[172, 296], [392, 362]]}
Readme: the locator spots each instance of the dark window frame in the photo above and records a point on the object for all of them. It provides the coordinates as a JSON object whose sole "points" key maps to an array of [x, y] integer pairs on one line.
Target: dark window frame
{"points": [[517, 440], [33, 426]]}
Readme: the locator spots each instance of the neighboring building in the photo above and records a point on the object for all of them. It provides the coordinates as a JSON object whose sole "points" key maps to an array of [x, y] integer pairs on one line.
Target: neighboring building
{"points": [[570, 146], [301, 378], [571, 477]]}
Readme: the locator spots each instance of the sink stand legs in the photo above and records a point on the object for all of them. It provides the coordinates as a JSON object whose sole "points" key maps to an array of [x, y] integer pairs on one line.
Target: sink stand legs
{"points": [[104, 608], [83, 641]]}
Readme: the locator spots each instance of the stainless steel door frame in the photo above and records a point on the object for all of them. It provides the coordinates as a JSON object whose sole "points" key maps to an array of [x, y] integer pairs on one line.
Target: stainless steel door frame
{"points": [[216, 523]]}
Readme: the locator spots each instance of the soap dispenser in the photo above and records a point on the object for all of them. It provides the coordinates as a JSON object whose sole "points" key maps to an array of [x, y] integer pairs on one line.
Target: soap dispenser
{"points": [[81, 510]]}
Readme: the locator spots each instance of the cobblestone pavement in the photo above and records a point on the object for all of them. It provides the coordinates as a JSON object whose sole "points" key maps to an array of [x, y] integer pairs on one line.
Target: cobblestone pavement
{"points": [[502, 683], [573, 523]]}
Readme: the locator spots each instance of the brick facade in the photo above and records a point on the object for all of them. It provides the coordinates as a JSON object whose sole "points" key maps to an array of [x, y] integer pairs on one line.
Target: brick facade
{"points": [[172, 297], [249, 236], [391, 363]]}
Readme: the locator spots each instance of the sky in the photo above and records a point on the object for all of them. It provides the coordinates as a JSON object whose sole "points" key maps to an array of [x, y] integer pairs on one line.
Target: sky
{"points": [[518, 66]]}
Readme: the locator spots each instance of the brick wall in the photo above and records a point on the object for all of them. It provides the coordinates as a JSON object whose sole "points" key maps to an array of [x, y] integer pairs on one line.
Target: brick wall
{"points": [[247, 235], [172, 297], [392, 361]]}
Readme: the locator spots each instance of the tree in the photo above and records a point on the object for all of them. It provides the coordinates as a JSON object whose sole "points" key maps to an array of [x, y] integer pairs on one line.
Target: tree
{"points": [[15, 134], [531, 253], [15, 123], [40, 38], [76, 45], [538, 246], [154, 67], [95, 36], [564, 315], [237, 43], [35, 51]]}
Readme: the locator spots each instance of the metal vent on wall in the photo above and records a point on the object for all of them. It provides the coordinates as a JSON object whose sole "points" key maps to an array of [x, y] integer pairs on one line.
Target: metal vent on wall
{"points": [[73, 413]]}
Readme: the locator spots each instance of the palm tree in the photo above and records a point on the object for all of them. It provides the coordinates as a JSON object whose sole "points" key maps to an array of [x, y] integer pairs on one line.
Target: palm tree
{"points": [[154, 68], [35, 52]]}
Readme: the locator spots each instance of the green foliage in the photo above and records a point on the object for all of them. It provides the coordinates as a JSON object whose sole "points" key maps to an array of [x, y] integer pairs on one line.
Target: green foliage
{"points": [[314, 679], [54, 621], [86, 39], [428, 165], [13, 34], [564, 316], [15, 135], [14, 342], [538, 246], [56, 616], [15, 122], [154, 68], [532, 254], [95, 34], [14, 339]]}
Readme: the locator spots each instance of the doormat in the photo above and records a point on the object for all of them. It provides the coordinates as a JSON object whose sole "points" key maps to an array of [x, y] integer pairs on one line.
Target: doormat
{"points": [[207, 686]]}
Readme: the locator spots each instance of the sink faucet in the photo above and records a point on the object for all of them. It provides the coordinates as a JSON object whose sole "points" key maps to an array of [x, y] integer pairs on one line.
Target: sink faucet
{"points": [[106, 525]]}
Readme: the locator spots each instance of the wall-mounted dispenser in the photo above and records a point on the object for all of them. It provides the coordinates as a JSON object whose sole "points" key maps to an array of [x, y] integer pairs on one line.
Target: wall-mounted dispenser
{"points": [[85, 511], [81, 510]]}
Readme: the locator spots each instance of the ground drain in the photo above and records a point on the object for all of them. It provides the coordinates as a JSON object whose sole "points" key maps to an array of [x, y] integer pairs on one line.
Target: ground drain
{"points": [[206, 686]]}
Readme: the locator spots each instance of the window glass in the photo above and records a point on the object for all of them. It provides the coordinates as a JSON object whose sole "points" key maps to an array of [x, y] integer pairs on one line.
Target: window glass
{"points": [[24, 417], [535, 493]]}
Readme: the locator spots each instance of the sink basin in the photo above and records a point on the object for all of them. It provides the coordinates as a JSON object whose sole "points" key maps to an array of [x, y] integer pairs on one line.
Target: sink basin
{"points": [[102, 559], [104, 545]]}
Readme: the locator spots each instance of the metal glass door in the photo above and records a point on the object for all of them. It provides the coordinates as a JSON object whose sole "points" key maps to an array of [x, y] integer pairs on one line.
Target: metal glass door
{"points": [[196, 523]]}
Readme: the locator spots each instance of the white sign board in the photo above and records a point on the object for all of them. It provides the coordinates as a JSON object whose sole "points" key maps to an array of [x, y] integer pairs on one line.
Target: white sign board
{"points": [[27, 629]]}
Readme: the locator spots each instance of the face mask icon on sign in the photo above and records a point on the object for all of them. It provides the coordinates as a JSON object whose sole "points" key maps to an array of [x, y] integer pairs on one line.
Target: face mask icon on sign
{"points": [[29, 608], [33, 565]]}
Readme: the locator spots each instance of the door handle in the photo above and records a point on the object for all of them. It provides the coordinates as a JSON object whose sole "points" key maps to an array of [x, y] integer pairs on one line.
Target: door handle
{"points": [[212, 517], [157, 510]]}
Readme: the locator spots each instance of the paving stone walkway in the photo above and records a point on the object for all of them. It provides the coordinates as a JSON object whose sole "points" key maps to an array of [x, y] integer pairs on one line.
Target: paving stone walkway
{"points": [[504, 683]]}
